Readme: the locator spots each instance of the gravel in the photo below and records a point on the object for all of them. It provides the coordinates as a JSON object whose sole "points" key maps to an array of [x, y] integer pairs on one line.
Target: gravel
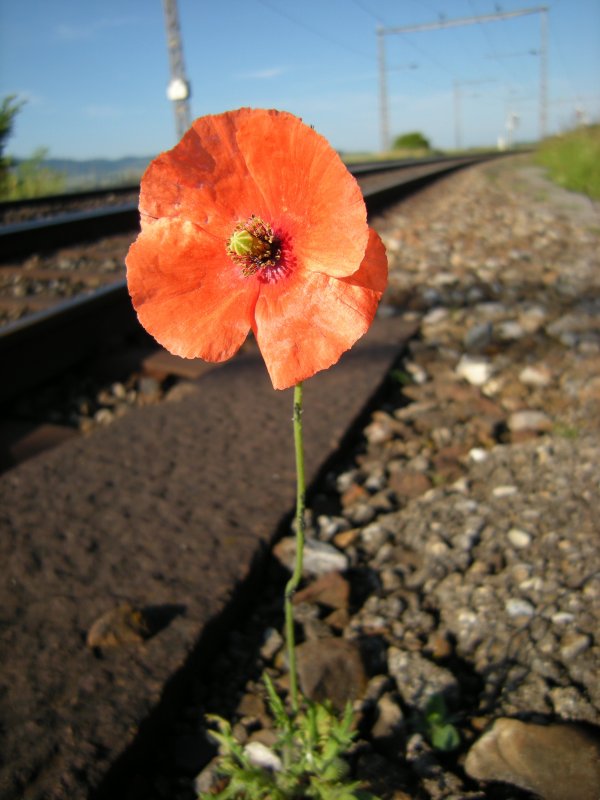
{"points": [[465, 517]]}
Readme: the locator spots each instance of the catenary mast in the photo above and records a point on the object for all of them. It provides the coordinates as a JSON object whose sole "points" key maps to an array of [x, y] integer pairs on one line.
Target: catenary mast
{"points": [[178, 90]]}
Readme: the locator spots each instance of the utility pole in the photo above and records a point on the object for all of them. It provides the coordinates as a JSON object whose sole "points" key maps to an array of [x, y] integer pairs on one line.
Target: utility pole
{"points": [[544, 73], [452, 23], [457, 108], [383, 103], [178, 90], [512, 120], [457, 126]]}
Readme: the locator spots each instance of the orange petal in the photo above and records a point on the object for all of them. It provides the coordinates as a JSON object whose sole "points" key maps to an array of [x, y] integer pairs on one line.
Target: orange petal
{"points": [[373, 272], [307, 189], [187, 292], [303, 323], [203, 179]]}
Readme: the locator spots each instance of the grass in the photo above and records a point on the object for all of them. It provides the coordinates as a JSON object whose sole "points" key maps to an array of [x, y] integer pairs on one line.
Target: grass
{"points": [[573, 160]]}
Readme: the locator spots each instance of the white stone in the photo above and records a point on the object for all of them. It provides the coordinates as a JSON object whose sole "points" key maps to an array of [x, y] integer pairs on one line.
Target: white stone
{"points": [[460, 485], [345, 480], [563, 618], [417, 373], [515, 607], [532, 584], [510, 330], [504, 491], [478, 454], [493, 386], [519, 538], [467, 619], [533, 318], [262, 756], [535, 376], [474, 370], [329, 526], [272, 642], [529, 420], [319, 557]]}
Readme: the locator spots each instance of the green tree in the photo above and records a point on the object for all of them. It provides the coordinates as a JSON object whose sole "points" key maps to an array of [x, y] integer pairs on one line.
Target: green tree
{"points": [[8, 111], [412, 141], [28, 178]]}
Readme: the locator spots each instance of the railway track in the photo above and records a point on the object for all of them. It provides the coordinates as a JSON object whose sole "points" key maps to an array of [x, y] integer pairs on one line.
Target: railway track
{"points": [[62, 286], [35, 208]]}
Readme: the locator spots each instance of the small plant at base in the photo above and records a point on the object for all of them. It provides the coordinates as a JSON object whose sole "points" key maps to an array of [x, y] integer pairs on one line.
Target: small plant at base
{"points": [[401, 377], [438, 726], [306, 761]]}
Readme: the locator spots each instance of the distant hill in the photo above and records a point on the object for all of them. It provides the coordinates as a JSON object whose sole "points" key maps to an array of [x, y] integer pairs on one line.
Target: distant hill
{"points": [[98, 172]]}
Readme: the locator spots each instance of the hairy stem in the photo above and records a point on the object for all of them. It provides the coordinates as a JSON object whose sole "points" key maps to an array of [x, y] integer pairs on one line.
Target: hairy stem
{"points": [[293, 582]]}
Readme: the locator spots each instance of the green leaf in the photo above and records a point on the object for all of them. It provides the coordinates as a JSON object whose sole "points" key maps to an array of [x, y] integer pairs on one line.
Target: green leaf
{"points": [[436, 707], [445, 737]]}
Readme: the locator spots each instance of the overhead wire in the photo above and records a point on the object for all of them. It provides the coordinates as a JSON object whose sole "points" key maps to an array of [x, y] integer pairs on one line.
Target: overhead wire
{"points": [[493, 52], [384, 23], [368, 11], [315, 31], [418, 48]]}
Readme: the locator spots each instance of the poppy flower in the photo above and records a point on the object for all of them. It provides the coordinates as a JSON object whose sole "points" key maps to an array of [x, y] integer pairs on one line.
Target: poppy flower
{"points": [[253, 223]]}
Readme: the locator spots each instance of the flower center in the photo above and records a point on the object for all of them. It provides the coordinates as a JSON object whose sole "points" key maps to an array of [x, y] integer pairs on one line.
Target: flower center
{"points": [[253, 246]]}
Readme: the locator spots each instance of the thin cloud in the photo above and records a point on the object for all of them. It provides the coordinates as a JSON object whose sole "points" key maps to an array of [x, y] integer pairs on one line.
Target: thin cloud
{"points": [[75, 33], [262, 74]]}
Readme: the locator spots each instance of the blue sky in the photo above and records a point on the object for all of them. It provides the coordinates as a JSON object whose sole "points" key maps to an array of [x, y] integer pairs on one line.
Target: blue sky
{"points": [[94, 74]]}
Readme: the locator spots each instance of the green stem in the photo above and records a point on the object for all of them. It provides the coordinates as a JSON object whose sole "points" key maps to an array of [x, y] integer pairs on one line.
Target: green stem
{"points": [[293, 582]]}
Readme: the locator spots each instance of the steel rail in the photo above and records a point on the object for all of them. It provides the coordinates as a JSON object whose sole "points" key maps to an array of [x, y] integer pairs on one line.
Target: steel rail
{"points": [[47, 233], [46, 343], [74, 197], [43, 235], [66, 198]]}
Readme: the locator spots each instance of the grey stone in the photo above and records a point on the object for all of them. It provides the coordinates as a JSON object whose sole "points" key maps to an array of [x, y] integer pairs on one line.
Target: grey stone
{"points": [[329, 526], [389, 717], [478, 336], [553, 761], [510, 329], [361, 513], [272, 643], [331, 669], [373, 536], [418, 678], [573, 644]]}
